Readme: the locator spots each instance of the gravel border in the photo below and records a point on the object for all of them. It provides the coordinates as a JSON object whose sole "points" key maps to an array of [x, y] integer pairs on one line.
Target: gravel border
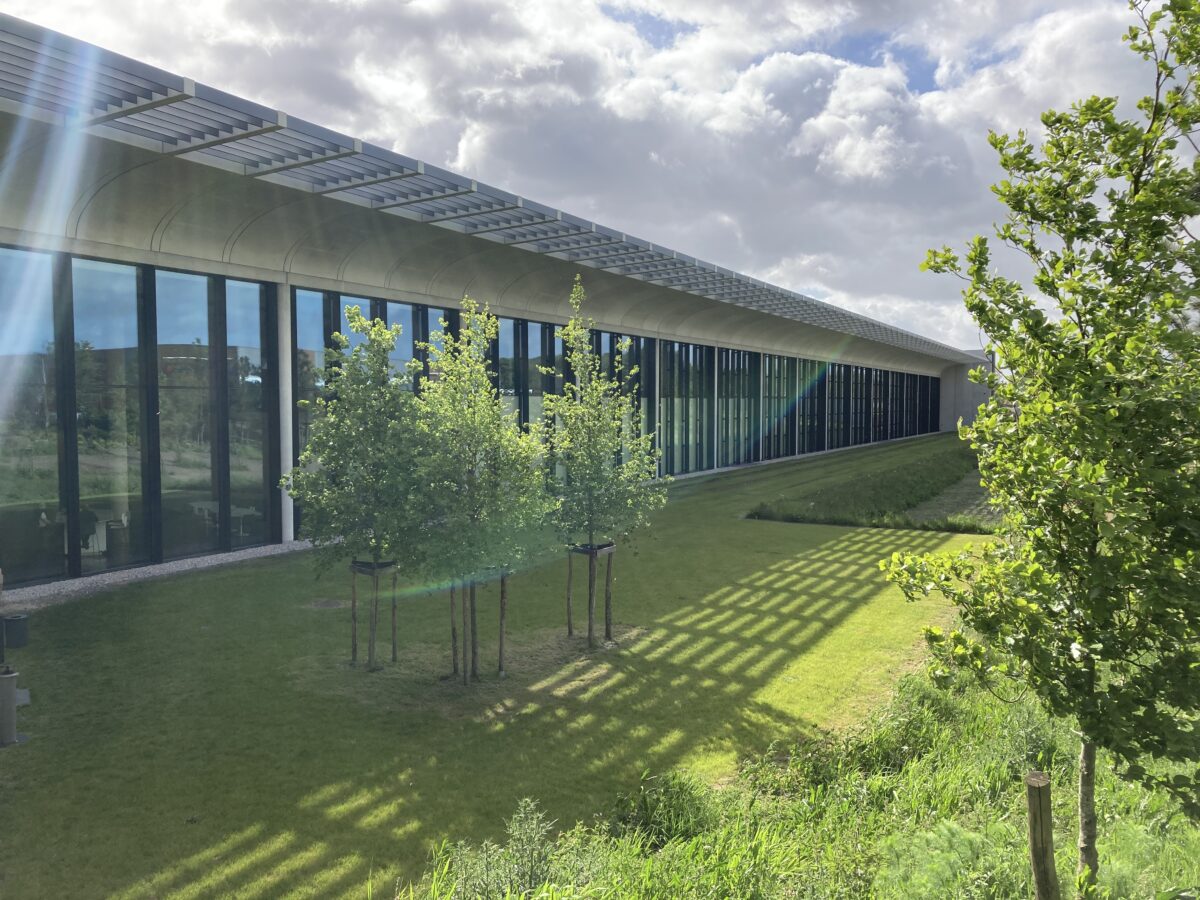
{"points": [[39, 596]]}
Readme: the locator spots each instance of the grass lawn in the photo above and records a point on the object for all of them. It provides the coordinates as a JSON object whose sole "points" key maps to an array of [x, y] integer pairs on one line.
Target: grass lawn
{"points": [[204, 734]]}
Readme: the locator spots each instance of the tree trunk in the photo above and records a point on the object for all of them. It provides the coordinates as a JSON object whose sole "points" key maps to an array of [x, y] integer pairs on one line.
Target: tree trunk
{"points": [[503, 616], [474, 636], [1089, 859], [570, 571], [353, 617], [394, 651], [453, 630], [591, 596], [608, 632], [466, 669], [374, 621]]}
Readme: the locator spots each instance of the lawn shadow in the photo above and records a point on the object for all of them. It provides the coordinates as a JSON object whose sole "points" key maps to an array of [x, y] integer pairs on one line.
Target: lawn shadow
{"points": [[569, 727]]}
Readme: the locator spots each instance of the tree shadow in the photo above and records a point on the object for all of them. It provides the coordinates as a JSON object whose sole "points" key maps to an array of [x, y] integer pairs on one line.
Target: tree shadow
{"points": [[688, 680]]}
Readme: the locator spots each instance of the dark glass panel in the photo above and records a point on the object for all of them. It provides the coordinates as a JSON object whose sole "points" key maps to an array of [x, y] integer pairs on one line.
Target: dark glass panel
{"points": [[32, 515], [109, 415], [506, 359], [309, 364], [190, 501], [402, 314], [534, 378], [249, 491]]}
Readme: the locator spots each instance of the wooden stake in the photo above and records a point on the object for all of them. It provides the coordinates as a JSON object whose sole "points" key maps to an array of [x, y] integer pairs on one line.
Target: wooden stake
{"points": [[1041, 836], [570, 570], [353, 616], [608, 631], [453, 630], [503, 616]]}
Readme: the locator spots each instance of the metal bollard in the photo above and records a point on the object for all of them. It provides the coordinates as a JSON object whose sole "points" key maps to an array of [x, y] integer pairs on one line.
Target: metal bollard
{"points": [[8, 707]]}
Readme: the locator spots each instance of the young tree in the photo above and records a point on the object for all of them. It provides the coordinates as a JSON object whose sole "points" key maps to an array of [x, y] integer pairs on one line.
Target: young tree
{"points": [[1090, 442], [607, 466], [483, 480], [355, 479]]}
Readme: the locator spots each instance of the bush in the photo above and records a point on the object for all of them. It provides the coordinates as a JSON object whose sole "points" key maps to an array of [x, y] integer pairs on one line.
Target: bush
{"points": [[665, 808]]}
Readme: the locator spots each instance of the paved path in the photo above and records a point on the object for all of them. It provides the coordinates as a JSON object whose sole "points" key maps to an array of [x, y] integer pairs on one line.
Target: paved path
{"points": [[38, 596]]}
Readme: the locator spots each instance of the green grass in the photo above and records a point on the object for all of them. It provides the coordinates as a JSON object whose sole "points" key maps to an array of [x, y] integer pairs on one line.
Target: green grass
{"points": [[203, 735], [897, 494], [923, 800]]}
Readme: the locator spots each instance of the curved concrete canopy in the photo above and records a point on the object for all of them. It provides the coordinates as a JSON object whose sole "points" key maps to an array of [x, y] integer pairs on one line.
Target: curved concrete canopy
{"points": [[104, 152], [125, 203]]}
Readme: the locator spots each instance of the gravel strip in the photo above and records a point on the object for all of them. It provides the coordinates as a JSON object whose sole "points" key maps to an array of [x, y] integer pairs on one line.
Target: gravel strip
{"points": [[39, 596]]}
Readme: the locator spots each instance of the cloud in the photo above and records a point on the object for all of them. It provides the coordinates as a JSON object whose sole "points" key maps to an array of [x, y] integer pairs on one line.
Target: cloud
{"points": [[820, 146]]}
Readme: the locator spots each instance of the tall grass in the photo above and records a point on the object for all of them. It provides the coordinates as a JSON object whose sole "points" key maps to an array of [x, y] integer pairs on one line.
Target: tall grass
{"points": [[923, 800], [881, 498]]}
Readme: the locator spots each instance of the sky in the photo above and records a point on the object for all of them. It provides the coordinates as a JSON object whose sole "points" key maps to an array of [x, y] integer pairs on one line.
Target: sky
{"points": [[821, 145]]}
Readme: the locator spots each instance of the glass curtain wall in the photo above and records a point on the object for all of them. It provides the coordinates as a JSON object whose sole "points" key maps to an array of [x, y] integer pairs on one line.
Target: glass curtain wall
{"points": [[687, 407], [151, 436], [191, 504], [110, 415], [248, 375], [779, 406], [33, 518]]}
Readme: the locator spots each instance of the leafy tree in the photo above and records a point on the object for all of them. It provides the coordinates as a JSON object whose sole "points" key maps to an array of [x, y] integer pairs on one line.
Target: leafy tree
{"points": [[607, 466], [1090, 441], [482, 480], [355, 478]]}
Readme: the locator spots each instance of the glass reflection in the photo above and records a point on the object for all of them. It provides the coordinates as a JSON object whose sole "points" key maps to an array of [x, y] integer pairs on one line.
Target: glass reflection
{"points": [[32, 519], [109, 415], [190, 502], [309, 364], [249, 491]]}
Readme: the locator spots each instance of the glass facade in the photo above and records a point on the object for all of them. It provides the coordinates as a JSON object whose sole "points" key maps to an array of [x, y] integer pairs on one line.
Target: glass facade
{"points": [[251, 411], [110, 416], [687, 401], [33, 519], [154, 436], [149, 438]]}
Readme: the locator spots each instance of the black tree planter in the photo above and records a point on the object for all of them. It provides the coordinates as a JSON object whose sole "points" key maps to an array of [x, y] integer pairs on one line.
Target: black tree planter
{"points": [[373, 570], [592, 551]]}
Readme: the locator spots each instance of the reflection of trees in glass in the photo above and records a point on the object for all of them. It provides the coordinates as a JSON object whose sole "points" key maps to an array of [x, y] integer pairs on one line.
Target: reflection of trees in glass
{"points": [[28, 439]]}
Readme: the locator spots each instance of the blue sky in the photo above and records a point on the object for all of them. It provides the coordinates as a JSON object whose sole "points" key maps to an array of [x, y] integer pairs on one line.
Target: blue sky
{"points": [[823, 147]]}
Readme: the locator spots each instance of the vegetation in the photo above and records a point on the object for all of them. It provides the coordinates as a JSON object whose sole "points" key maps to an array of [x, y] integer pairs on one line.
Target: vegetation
{"points": [[264, 765], [606, 466], [1090, 442], [354, 481], [922, 800], [480, 479], [885, 498]]}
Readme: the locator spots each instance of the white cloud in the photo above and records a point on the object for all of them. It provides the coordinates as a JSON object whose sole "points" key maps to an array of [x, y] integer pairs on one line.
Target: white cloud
{"points": [[783, 139]]}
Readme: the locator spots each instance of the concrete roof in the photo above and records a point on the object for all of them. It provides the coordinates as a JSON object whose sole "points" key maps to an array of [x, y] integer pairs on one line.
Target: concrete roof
{"points": [[285, 194]]}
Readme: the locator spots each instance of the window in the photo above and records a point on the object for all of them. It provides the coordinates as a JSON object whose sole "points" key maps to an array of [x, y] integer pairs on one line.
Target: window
{"points": [[33, 515]]}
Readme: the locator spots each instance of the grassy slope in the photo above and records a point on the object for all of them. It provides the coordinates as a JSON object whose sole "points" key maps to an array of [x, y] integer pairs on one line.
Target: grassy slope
{"points": [[927, 496], [202, 734]]}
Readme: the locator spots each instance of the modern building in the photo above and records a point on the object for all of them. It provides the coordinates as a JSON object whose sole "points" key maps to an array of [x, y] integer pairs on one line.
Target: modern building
{"points": [[173, 260]]}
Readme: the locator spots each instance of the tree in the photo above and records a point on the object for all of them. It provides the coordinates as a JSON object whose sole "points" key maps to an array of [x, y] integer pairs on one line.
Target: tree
{"points": [[607, 466], [1090, 441], [482, 480], [354, 479]]}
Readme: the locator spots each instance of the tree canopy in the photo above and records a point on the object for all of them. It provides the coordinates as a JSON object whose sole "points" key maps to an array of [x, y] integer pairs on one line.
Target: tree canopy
{"points": [[607, 467], [355, 478], [1090, 441]]}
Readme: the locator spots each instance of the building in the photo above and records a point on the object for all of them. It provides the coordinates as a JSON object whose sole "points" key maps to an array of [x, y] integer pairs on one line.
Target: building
{"points": [[195, 250]]}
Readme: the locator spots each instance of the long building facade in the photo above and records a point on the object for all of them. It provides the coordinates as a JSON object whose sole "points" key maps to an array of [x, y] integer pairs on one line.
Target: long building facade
{"points": [[173, 260]]}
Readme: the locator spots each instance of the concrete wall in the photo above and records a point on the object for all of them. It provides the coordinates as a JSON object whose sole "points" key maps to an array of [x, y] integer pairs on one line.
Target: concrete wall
{"points": [[960, 397]]}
